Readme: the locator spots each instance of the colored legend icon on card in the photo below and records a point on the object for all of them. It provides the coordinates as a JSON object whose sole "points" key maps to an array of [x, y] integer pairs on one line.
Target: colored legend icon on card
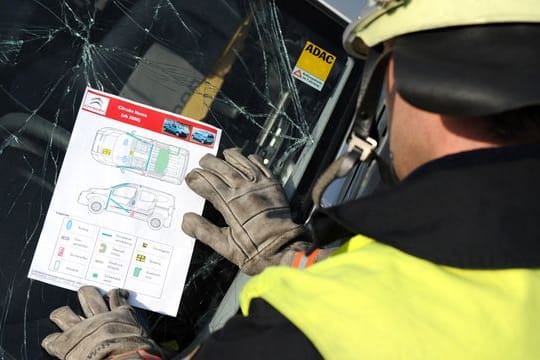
{"points": [[137, 271], [141, 258]]}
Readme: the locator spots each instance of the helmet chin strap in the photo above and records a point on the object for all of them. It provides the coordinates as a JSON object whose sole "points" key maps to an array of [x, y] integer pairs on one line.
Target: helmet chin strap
{"points": [[362, 142], [363, 139]]}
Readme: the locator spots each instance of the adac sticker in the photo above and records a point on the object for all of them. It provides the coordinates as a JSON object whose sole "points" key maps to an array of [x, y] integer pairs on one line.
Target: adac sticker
{"points": [[314, 65]]}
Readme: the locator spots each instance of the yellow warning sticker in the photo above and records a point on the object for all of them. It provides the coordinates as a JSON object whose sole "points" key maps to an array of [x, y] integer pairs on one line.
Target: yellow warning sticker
{"points": [[314, 65]]}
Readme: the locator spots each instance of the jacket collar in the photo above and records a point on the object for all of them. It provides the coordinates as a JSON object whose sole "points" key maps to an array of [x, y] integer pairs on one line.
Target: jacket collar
{"points": [[477, 209]]}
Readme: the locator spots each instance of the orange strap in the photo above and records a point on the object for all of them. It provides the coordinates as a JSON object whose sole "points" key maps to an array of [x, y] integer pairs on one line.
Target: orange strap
{"points": [[301, 261], [135, 355]]}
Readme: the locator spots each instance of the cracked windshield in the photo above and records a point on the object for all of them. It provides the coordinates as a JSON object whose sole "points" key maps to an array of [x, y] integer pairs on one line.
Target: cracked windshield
{"points": [[240, 66]]}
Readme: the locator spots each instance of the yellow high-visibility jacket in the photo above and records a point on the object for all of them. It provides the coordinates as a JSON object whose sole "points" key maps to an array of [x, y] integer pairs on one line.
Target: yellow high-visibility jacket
{"points": [[372, 301], [454, 272]]}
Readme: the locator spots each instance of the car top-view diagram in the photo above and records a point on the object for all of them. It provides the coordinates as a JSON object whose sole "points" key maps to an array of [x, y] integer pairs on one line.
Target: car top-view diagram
{"points": [[133, 200], [134, 153]]}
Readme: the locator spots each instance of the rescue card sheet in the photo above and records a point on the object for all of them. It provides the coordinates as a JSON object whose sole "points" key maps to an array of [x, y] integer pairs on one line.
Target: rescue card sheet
{"points": [[116, 212]]}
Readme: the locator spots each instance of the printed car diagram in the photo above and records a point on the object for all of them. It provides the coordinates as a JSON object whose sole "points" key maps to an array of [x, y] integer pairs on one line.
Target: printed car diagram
{"points": [[133, 200], [134, 153]]}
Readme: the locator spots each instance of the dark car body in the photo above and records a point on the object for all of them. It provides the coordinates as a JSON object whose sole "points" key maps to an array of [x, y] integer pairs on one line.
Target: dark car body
{"points": [[227, 63]]}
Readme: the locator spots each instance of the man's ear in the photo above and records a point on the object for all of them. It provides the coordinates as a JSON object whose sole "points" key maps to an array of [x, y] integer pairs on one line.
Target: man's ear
{"points": [[390, 87]]}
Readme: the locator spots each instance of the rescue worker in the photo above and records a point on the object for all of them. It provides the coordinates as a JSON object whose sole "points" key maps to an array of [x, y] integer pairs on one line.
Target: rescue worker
{"points": [[445, 265]]}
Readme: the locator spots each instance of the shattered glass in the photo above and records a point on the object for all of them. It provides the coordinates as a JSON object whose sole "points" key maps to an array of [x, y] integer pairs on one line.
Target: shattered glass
{"points": [[225, 62]]}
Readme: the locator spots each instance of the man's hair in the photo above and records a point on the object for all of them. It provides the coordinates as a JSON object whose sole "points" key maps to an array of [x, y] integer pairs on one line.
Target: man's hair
{"points": [[516, 126]]}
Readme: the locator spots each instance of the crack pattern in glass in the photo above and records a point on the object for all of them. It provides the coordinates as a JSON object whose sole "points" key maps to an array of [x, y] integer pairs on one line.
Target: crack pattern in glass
{"points": [[225, 62]]}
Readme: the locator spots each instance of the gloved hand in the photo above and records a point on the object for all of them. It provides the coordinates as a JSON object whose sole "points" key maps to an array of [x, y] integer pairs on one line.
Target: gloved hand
{"points": [[261, 231], [106, 330]]}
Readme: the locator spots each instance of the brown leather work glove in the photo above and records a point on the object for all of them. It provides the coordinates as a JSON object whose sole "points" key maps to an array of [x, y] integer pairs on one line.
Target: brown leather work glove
{"points": [[261, 231], [105, 331]]}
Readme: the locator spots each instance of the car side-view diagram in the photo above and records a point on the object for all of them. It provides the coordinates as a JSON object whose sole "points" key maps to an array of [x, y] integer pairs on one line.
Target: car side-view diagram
{"points": [[134, 153], [133, 200], [176, 128], [204, 137]]}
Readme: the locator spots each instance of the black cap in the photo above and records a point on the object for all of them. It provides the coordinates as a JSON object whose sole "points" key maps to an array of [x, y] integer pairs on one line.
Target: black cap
{"points": [[470, 71]]}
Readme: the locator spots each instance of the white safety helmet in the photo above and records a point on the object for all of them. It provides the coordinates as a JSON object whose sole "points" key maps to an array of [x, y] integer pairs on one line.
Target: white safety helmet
{"points": [[467, 58]]}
